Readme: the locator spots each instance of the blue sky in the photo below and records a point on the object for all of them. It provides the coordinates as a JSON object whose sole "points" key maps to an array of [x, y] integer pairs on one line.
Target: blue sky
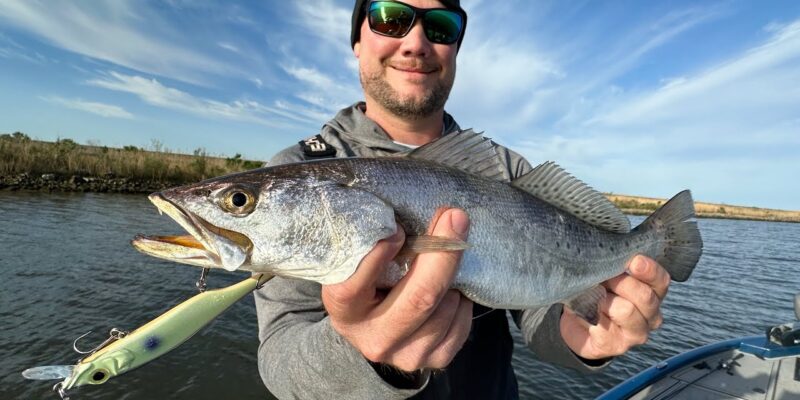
{"points": [[636, 97]]}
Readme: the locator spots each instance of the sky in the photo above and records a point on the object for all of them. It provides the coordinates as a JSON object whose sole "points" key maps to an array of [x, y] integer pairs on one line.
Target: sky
{"points": [[636, 97]]}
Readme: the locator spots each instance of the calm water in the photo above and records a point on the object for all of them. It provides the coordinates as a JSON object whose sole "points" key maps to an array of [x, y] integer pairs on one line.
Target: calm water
{"points": [[66, 267]]}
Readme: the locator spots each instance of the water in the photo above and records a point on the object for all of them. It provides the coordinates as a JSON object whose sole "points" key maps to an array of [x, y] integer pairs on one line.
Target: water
{"points": [[66, 267]]}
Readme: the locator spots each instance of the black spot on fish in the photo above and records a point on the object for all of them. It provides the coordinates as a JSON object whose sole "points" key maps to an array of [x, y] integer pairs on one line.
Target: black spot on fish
{"points": [[152, 343], [202, 192]]}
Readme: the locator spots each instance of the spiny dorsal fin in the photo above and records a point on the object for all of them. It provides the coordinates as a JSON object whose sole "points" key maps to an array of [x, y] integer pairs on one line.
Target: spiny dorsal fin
{"points": [[467, 151], [552, 184]]}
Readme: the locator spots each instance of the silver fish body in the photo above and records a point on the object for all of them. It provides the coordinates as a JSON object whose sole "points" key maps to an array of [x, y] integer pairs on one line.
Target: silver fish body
{"points": [[316, 220]]}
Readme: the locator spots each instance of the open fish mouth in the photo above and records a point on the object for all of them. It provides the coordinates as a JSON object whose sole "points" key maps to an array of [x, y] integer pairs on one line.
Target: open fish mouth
{"points": [[206, 245]]}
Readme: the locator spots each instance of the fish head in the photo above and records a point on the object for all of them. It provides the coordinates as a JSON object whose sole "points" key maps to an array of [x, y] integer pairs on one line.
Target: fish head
{"points": [[297, 225]]}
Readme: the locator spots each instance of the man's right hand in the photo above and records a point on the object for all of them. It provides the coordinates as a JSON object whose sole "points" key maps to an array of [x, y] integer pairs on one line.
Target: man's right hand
{"points": [[419, 323]]}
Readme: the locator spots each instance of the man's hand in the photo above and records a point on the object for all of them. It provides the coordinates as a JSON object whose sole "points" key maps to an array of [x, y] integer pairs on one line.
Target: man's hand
{"points": [[627, 315], [419, 323]]}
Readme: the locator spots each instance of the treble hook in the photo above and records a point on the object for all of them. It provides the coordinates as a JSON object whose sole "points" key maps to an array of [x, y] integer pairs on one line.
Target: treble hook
{"points": [[59, 388], [114, 334], [201, 283]]}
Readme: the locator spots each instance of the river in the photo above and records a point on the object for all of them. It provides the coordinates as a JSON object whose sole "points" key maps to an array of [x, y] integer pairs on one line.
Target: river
{"points": [[66, 267]]}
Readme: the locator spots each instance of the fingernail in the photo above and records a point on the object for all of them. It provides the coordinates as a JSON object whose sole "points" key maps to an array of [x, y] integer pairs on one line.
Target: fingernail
{"points": [[639, 264], [459, 222]]}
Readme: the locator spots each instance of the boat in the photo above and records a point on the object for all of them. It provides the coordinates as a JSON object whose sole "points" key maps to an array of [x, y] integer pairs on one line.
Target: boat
{"points": [[763, 367]]}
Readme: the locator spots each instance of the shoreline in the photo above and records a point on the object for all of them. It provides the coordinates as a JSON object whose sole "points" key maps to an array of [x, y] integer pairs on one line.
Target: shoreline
{"points": [[638, 205], [81, 184], [632, 205]]}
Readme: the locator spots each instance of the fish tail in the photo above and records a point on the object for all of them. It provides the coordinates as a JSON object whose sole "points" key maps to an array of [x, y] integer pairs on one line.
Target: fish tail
{"points": [[682, 244]]}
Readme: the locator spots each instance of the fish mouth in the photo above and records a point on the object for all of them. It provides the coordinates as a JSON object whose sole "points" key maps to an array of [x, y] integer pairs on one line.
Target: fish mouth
{"points": [[206, 244]]}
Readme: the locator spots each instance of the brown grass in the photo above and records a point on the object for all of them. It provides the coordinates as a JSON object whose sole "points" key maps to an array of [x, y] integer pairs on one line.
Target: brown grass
{"points": [[19, 154], [646, 205]]}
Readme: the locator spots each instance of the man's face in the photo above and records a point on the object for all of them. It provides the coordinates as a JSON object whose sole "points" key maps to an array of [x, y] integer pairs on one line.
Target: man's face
{"points": [[410, 77]]}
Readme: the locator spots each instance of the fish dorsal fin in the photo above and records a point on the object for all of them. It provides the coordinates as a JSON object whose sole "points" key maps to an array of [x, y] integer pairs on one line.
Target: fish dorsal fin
{"points": [[467, 151], [551, 183]]}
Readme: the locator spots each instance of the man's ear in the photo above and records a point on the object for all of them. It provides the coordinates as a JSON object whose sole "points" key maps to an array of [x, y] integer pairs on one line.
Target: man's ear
{"points": [[357, 49]]}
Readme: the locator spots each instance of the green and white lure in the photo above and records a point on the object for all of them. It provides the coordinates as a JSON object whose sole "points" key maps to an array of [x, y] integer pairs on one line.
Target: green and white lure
{"points": [[123, 352]]}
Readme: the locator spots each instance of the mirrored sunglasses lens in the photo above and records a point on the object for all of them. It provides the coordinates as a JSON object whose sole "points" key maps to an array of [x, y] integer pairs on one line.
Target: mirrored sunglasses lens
{"points": [[390, 19], [443, 26]]}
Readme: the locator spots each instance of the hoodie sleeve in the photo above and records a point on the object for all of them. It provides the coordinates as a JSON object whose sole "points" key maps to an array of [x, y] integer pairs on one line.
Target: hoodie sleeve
{"points": [[300, 355], [541, 330]]}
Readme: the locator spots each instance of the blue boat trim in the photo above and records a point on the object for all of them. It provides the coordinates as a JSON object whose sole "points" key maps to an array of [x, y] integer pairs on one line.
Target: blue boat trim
{"points": [[758, 346]]}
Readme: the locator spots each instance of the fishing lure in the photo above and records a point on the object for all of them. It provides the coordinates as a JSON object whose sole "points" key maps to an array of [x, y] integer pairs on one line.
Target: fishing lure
{"points": [[124, 351]]}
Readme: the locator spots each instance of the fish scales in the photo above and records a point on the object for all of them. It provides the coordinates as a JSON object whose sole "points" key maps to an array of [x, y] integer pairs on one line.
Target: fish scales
{"points": [[523, 252]]}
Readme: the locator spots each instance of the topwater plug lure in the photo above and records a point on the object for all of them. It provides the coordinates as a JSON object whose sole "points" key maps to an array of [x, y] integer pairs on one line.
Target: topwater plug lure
{"points": [[125, 351]]}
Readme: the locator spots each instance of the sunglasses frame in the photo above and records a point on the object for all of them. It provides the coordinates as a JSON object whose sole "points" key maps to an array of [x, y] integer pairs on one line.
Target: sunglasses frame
{"points": [[418, 13]]}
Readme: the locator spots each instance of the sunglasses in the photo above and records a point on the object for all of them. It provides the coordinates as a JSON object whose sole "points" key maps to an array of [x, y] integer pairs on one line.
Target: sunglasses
{"points": [[395, 19]]}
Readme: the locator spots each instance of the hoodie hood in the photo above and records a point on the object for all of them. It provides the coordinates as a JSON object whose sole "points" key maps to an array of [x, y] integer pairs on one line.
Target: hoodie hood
{"points": [[353, 129]]}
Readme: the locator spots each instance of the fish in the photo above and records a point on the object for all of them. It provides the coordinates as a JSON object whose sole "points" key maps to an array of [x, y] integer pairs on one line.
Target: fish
{"points": [[542, 238], [125, 351]]}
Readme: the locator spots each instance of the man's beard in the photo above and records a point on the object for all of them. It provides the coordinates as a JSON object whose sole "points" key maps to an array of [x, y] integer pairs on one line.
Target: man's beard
{"points": [[432, 101]]}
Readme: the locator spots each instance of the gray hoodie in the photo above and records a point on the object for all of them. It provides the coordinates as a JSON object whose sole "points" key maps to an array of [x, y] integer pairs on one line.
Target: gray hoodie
{"points": [[301, 356]]}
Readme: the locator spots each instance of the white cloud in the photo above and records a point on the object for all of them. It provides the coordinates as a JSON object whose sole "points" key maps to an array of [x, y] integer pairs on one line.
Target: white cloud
{"points": [[114, 32], [153, 92], [326, 21], [323, 91], [745, 89], [228, 46], [101, 109]]}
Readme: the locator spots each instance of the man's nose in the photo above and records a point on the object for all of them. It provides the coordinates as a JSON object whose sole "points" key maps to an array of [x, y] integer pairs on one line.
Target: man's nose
{"points": [[415, 43]]}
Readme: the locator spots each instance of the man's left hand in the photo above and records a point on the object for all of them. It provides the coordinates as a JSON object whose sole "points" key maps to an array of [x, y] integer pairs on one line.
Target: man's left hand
{"points": [[629, 312]]}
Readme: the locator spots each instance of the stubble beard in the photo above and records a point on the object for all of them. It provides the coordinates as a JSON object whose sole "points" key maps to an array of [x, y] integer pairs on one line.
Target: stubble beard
{"points": [[409, 107]]}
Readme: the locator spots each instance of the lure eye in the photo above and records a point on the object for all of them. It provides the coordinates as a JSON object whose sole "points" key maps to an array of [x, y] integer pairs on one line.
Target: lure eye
{"points": [[238, 201], [99, 376]]}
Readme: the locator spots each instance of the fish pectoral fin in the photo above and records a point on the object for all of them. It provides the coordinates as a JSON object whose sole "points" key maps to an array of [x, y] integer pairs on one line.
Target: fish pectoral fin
{"points": [[429, 244], [585, 303]]}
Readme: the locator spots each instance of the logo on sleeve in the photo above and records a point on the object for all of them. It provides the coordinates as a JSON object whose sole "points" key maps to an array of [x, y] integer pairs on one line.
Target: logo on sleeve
{"points": [[317, 147]]}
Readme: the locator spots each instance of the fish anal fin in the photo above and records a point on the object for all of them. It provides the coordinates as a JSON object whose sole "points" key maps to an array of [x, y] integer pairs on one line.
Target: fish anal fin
{"points": [[585, 304], [550, 183]]}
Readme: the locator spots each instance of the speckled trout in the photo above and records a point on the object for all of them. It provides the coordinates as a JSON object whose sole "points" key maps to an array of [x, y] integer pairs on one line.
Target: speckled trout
{"points": [[542, 238]]}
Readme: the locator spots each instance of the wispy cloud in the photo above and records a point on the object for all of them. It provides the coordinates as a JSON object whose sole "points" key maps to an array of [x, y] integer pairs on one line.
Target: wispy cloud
{"points": [[153, 92], [744, 89], [101, 109], [10, 49], [114, 32], [228, 46], [321, 90]]}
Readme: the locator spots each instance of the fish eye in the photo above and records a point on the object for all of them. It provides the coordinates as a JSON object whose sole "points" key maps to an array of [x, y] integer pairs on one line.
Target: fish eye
{"points": [[238, 201]]}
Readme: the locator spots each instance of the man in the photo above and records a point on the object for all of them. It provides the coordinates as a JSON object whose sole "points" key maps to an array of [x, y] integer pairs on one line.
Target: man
{"points": [[351, 340]]}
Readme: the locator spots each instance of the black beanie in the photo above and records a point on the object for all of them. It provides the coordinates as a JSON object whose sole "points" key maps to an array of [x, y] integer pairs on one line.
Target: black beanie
{"points": [[360, 11]]}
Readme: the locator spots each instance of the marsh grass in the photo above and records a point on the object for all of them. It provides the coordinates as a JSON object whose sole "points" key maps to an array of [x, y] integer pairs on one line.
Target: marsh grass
{"points": [[20, 154], [646, 205]]}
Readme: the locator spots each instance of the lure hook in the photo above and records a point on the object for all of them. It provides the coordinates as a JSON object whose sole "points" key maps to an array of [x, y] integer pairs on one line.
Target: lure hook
{"points": [[201, 283], [79, 351], [114, 334], [59, 388]]}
